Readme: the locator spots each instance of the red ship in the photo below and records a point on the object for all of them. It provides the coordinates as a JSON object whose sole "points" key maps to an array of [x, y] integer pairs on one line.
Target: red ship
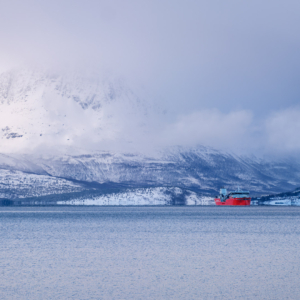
{"points": [[233, 198]]}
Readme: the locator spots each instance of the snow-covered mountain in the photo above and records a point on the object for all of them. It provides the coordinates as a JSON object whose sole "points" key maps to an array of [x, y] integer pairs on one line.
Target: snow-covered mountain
{"points": [[42, 109], [17, 184], [198, 170], [144, 196], [53, 126]]}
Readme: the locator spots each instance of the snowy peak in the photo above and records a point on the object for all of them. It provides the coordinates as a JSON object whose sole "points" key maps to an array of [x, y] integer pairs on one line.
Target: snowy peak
{"points": [[88, 90], [39, 109]]}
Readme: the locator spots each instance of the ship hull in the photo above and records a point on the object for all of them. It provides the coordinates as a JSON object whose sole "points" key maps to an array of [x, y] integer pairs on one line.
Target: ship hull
{"points": [[234, 201]]}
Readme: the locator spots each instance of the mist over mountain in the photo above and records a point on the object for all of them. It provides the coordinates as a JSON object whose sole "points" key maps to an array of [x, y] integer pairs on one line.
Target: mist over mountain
{"points": [[80, 111], [84, 134], [42, 109]]}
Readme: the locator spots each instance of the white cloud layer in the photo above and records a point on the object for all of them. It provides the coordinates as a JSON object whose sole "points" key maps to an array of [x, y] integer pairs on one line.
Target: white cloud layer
{"points": [[62, 111], [209, 127], [283, 130]]}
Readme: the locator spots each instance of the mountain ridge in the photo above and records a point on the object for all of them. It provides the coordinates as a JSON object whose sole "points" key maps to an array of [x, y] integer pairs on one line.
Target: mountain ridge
{"points": [[203, 170]]}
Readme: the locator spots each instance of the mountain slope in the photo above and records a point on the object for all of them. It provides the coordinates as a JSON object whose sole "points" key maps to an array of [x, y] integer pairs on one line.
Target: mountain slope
{"points": [[202, 170]]}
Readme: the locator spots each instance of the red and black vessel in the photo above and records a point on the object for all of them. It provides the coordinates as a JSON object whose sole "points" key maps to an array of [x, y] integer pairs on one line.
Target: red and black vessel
{"points": [[233, 198]]}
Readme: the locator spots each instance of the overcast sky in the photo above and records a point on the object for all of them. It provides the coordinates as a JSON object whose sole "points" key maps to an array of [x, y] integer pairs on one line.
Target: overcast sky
{"points": [[228, 68]]}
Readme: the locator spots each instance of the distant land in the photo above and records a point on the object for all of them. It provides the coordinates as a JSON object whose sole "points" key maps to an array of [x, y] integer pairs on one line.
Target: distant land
{"points": [[180, 176], [286, 198]]}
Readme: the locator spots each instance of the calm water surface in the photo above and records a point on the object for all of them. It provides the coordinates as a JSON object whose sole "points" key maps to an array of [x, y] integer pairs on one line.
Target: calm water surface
{"points": [[150, 252]]}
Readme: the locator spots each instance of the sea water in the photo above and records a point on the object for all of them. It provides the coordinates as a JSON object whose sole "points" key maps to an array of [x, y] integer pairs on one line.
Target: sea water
{"points": [[201, 252]]}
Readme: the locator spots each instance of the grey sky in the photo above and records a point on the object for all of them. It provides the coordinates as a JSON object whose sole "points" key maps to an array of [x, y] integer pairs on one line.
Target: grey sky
{"points": [[194, 57]]}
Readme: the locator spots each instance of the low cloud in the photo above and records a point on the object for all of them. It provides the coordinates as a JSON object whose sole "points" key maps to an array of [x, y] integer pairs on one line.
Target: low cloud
{"points": [[71, 112], [211, 128], [283, 130]]}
